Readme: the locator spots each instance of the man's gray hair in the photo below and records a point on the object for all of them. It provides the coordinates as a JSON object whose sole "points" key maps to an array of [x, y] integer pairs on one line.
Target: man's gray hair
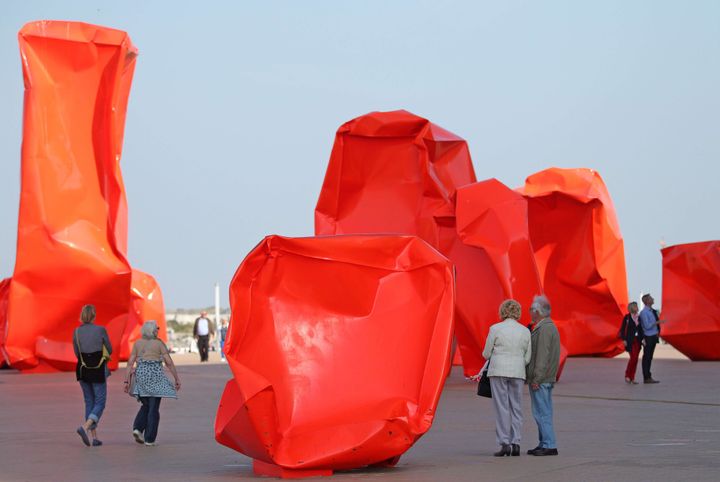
{"points": [[149, 330], [541, 305]]}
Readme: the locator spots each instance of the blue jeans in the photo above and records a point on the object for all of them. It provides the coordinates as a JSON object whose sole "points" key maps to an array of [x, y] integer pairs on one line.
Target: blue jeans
{"points": [[542, 410], [222, 348], [148, 418], [95, 395]]}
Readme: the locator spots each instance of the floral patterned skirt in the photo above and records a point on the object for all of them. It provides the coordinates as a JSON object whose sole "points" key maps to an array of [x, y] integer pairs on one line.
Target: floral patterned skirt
{"points": [[151, 381]]}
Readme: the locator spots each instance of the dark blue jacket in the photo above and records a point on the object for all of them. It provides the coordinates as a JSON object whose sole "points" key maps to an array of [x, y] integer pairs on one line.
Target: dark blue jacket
{"points": [[629, 331]]}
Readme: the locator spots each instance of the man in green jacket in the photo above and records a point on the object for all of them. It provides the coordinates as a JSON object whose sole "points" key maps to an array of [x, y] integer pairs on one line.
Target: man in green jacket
{"points": [[542, 374]]}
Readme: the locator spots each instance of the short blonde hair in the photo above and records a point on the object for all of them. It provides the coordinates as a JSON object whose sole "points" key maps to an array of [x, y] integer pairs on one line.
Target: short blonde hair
{"points": [[510, 309], [87, 314], [149, 330]]}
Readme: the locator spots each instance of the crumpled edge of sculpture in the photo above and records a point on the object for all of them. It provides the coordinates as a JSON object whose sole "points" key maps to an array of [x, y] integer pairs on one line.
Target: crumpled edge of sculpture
{"points": [[253, 435], [691, 299], [586, 187], [25, 346]]}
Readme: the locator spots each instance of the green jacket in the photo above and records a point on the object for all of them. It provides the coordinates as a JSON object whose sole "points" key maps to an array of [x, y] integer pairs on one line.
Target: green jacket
{"points": [[543, 366]]}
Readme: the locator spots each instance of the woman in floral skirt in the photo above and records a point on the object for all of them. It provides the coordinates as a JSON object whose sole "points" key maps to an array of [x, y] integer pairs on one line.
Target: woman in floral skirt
{"points": [[150, 384]]}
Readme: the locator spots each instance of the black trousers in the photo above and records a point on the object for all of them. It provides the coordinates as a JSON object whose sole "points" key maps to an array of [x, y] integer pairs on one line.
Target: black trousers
{"points": [[203, 343], [648, 352], [148, 418]]}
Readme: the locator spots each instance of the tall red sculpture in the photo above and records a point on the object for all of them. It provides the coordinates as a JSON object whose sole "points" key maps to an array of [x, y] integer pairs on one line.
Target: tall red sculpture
{"points": [[580, 257], [691, 299], [339, 348], [395, 172], [72, 228]]}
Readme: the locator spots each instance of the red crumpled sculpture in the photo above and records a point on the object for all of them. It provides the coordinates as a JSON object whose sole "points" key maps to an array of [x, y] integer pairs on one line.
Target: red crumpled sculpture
{"points": [[339, 348], [496, 262], [691, 299], [146, 303], [395, 172], [580, 257], [72, 227], [392, 172]]}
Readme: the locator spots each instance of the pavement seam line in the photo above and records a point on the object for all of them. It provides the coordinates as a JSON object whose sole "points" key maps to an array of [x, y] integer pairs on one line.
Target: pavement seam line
{"points": [[619, 399]]}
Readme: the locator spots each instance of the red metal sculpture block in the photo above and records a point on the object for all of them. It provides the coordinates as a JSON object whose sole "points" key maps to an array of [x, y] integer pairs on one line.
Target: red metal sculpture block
{"points": [[146, 304], [339, 347], [691, 299], [392, 172], [580, 257], [72, 228], [492, 224], [395, 172]]}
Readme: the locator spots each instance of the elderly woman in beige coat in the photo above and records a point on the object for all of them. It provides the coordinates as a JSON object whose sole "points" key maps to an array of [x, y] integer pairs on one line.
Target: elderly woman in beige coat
{"points": [[508, 348]]}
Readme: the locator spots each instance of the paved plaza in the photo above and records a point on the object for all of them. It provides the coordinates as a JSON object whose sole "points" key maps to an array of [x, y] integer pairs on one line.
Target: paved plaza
{"points": [[607, 430]]}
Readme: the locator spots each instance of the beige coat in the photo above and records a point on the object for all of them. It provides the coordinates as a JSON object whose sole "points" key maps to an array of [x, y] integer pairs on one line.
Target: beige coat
{"points": [[509, 348]]}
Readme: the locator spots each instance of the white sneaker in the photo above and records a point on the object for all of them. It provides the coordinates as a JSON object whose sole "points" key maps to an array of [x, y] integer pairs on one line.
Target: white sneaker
{"points": [[151, 444], [138, 436]]}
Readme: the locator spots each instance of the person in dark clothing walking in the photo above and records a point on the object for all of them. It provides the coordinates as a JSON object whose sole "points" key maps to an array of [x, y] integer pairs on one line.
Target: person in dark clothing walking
{"points": [[631, 333], [203, 331]]}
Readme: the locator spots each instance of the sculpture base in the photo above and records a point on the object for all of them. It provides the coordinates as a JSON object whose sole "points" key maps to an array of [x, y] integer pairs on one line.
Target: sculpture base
{"points": [[272, 470]]}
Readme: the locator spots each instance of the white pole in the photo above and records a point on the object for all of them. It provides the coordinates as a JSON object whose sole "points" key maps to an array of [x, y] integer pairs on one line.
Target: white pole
{"points": [[217, 317]]}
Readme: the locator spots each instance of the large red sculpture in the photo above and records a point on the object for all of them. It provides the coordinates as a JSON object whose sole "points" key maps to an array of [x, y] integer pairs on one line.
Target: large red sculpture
{"points": [[72, 228], [495, 261], [691, 299], [339, 348], [395, 172], [580, 257], [392, 172], [146, 303]]}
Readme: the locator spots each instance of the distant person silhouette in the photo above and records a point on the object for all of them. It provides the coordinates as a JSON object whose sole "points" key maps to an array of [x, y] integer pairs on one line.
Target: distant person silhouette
{"points": [[631, 333], [223, 335], [650, 321], [203, 331]]}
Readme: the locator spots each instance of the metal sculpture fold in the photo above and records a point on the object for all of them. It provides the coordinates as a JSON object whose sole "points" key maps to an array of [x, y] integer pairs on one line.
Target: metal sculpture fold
{"points": [[395, 172], [580, 257], [72, 228], [339, 348], [146, 303], [492, 224], [691, 299]]}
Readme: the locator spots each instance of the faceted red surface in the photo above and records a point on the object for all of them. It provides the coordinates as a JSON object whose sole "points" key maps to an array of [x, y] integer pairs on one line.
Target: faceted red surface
{"points": [[580, 257], [691, 299], [492, 224], [72, 226], [339, 348], [146, 304], [395, 172], [392, 172]]}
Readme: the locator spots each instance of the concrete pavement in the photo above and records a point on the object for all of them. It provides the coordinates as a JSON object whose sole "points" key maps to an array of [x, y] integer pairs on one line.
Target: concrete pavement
{"points": [[606, 430]]}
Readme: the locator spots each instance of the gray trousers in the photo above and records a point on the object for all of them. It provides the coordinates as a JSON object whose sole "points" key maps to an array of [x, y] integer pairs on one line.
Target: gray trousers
{"points": [[507, 399]]}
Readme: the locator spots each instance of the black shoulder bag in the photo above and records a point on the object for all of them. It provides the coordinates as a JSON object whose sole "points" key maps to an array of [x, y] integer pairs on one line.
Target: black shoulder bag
{"points": [[483, 388]]}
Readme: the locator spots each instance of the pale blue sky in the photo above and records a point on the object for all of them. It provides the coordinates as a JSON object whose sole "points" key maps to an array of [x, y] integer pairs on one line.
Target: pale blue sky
{"points": [[234, 107]]}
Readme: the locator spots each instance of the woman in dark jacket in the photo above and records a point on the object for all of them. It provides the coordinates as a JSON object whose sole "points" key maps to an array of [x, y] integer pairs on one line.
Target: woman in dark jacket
{"points": [[631, 333], [91, 371]]}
